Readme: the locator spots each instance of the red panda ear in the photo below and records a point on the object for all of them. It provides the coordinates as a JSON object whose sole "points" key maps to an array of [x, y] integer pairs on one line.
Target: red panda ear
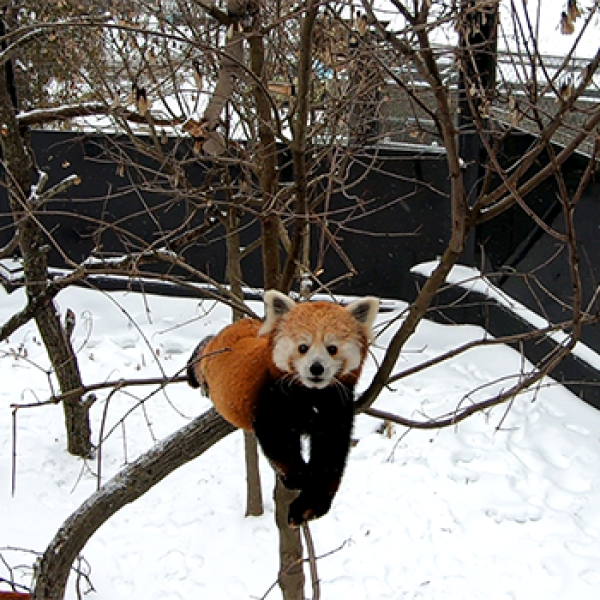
{"points": [[276, 305], [365, 311]]}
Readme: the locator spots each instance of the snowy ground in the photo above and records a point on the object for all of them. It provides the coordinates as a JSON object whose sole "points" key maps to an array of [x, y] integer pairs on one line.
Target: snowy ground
{"points": [[472, 512]]}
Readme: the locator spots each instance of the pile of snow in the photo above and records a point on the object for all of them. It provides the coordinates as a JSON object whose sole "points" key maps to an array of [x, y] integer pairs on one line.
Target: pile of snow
{"points": [[502, 506]]}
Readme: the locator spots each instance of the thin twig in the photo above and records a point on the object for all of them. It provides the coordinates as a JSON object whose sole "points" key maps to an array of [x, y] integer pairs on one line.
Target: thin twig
{"points": [[117, 383], [310, 547], [14, 453], [101, 434], [316, 558]]}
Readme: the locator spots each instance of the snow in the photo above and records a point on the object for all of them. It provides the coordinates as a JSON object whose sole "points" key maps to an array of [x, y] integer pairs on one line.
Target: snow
{"points": [[472, 280], [502, 506]]}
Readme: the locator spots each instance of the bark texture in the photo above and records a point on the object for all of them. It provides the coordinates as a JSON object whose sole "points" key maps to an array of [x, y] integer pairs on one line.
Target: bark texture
{"points": [[18, 169], [291, 573]]}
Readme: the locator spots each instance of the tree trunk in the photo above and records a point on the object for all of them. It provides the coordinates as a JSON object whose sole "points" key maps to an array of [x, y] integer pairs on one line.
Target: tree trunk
{"points": [[254, 501], [267, 161], [64, 363], [299, 150], [291, 573], [18, 168]]}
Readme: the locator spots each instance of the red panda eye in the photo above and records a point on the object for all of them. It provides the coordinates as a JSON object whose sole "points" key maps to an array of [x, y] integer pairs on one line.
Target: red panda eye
{"points": [[332, 349], [303, 348]]}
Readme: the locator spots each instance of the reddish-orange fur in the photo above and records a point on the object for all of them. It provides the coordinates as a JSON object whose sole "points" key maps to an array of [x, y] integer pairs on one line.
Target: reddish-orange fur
{"points": [[236, 365]]}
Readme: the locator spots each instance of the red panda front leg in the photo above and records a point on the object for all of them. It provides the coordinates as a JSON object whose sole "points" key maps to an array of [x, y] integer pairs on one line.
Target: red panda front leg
{"points": [[286, 412], [329, 429], [278, 429]]}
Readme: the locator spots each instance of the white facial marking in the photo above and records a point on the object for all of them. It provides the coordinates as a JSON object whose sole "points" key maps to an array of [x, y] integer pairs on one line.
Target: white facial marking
{"points": [[352, 354], [316, 363], [316, 368], [282, 352]]}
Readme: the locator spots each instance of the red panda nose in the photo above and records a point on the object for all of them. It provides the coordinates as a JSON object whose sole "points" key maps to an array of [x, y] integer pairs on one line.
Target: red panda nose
{"points": [[317, 369]]}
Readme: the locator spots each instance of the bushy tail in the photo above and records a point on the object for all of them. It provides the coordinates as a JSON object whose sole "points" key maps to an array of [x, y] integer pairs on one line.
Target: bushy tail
{"points": [[194, 373]]}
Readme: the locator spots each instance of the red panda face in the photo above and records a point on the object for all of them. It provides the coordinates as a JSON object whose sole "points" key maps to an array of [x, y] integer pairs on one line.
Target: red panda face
{"points": [[318, 342], [316, 359]]}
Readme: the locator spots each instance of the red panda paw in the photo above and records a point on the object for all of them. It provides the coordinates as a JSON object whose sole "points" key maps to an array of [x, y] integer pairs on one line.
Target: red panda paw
{"points": [[304, 509]]}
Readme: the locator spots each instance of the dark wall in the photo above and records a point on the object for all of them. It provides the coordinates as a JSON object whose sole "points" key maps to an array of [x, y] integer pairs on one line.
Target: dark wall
{"points": [[531, 263], [453, 305], [381, 225], [389, 221]]}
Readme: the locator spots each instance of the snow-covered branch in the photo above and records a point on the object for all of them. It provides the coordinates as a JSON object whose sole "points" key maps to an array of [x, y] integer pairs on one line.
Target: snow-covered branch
{"points": [[42, 116]]}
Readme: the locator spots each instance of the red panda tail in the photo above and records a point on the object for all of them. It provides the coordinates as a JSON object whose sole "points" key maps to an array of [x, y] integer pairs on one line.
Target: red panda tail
{"points": [[194, 373]]}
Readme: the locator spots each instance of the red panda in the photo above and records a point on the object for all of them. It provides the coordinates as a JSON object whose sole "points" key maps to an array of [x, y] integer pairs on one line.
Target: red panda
{"points": [[288, 377]]}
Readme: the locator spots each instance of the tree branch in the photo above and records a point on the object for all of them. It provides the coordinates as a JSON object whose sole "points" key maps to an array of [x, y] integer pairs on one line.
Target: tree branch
{"points": [[125, 487]]}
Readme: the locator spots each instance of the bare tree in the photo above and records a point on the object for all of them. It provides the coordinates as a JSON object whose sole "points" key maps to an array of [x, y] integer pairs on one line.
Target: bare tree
{"points": [[497, 186], [253, 90], [25, 196]]}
